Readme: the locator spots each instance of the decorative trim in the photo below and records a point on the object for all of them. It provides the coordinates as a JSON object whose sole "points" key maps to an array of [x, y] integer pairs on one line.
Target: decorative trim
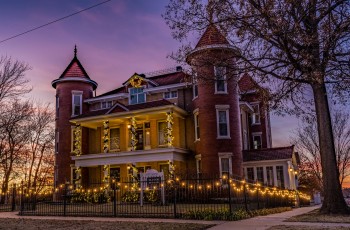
{"points": [[79, 79]]}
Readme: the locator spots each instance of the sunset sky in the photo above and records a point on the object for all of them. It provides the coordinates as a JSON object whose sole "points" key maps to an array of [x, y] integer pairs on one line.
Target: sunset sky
{"points": [[114, 41]]}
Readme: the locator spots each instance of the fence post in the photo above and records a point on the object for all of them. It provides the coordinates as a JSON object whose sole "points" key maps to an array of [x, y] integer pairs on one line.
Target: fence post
{"points": [[245, 197], [115, 199], [229, 197], [65, 199]]}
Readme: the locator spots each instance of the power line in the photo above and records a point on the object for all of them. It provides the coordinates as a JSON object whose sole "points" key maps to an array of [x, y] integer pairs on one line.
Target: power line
{"points": [[54, 21]]}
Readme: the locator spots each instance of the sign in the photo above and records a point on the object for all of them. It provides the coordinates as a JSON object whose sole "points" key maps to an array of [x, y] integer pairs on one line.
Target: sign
{"points": [[153, 182]]}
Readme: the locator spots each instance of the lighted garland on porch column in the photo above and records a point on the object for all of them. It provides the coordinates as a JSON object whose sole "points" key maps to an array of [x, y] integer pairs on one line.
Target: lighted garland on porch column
{"points": [[105, 136], [77, 140], [133, 133], [106, 174], [169, 129], [77, 180]]}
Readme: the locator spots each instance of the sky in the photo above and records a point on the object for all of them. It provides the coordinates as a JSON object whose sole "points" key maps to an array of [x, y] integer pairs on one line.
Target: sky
{"points": [[114, 40]]}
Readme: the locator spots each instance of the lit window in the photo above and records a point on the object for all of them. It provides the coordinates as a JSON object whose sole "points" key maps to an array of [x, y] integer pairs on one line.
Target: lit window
{"points": [[114, 138], [220, 76], [250, 174], [162, 127], [196, 126], [256, 114], [137, 96], [280, 176], [76, 104], [171, 94], [257, 141], [225, 164], [114, 174], [269, 174], [222, 118]]}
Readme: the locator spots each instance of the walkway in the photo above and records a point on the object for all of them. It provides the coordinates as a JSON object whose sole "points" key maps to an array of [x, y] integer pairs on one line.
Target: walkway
{"points": [[265, 222]]}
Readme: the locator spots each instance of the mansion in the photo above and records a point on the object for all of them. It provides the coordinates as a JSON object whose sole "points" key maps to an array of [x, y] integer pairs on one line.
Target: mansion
{"points": [[167, 121]]}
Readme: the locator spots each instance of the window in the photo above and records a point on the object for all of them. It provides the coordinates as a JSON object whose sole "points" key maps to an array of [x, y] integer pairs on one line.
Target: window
{"points": [[257, 141], [76, 104], [165, 169], [196, 125], [195, 86], [280, 176], [256, 114], [220, 76], [162, 126], [269, 174], [114, 139], [199, 168], [222, 116], [250, 174], [171, 94], [57, 140], [225, 164], [57, 105], [114, 174], [137, 96], [106, 104], [260, 174]]}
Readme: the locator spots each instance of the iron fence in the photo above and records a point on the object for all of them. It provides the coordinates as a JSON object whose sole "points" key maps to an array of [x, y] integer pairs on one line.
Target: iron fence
{"points": [[174, 198]]}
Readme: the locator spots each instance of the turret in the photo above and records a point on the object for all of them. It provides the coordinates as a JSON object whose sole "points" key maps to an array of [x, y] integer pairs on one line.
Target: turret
{"points": [[72, 88], [216, 104]]}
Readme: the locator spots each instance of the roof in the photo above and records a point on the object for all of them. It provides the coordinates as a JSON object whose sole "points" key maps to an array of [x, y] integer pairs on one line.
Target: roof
{"points": [[165, 79], [119, 107], [268, 154], [212, 36], [247, 83], [75, 69]]}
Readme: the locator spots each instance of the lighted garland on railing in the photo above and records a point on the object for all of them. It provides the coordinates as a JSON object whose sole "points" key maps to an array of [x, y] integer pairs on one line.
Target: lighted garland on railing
{"points": [[105, 136], [236, 185], [169, 129], [133, 133], [77, 140]]}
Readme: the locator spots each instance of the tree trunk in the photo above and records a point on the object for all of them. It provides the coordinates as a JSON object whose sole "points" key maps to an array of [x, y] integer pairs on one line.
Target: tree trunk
{"points": [[333, 197]]}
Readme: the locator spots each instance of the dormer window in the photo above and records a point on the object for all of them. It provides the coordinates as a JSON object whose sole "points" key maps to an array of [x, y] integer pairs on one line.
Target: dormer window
{"points": [[137, 96], [171, 94], [106, 104], [220, 79]]}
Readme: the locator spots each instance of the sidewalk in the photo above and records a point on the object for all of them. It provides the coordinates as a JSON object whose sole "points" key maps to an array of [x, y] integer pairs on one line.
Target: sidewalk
{"points": [[265, 222]]}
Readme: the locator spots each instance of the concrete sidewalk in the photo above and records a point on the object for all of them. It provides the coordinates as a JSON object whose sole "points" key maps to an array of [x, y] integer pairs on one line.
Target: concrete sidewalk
{"points": [[265, 222]]}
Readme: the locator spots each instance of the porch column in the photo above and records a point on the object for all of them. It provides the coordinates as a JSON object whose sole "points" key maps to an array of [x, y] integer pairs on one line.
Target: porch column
{"points": [[169, 130], [133, 140], [106, 174], [77, 180], [106, 136], [77, 140]]}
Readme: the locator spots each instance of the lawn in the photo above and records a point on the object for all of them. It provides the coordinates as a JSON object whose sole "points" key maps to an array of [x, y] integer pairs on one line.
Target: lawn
{"points": [[315, 216]]}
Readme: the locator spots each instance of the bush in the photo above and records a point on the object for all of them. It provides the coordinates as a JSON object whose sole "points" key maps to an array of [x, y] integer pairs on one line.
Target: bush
{"points": [[90, 197]]}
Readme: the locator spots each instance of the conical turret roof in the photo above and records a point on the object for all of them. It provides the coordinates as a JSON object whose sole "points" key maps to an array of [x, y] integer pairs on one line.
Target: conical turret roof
{"points": [[212, 36]]}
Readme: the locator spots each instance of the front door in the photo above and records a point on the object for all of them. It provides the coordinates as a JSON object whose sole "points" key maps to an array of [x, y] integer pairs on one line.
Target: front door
{"points": [[139, 138]]}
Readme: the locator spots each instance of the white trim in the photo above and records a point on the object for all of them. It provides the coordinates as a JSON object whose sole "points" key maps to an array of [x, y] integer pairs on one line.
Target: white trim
{"points": [[113, 96], [166, 87], [225, 155], [115, 105], [196, 124], [246, 106], [223, 108], [153, 155], [54, 82]]}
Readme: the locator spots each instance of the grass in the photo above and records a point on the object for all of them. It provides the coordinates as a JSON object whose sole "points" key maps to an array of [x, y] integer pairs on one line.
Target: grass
{"points": [[31, 224], [315, 216]]}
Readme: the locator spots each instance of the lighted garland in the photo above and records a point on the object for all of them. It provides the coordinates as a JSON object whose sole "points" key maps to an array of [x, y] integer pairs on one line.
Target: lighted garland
{"points": [[133, 133], [77, 172], [169, 129], [106, 173], [105, 136], [171, 169], [77, 140]]}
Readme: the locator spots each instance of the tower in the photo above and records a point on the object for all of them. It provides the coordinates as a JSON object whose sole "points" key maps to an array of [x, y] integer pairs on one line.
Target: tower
{"points": [[217, 105], [72, 88]]}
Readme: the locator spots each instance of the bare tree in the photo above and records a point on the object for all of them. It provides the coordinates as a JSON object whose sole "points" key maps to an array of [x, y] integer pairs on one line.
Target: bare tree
{"points": [[295, 46], [306, 143], [14, 135], [12, 80]]}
